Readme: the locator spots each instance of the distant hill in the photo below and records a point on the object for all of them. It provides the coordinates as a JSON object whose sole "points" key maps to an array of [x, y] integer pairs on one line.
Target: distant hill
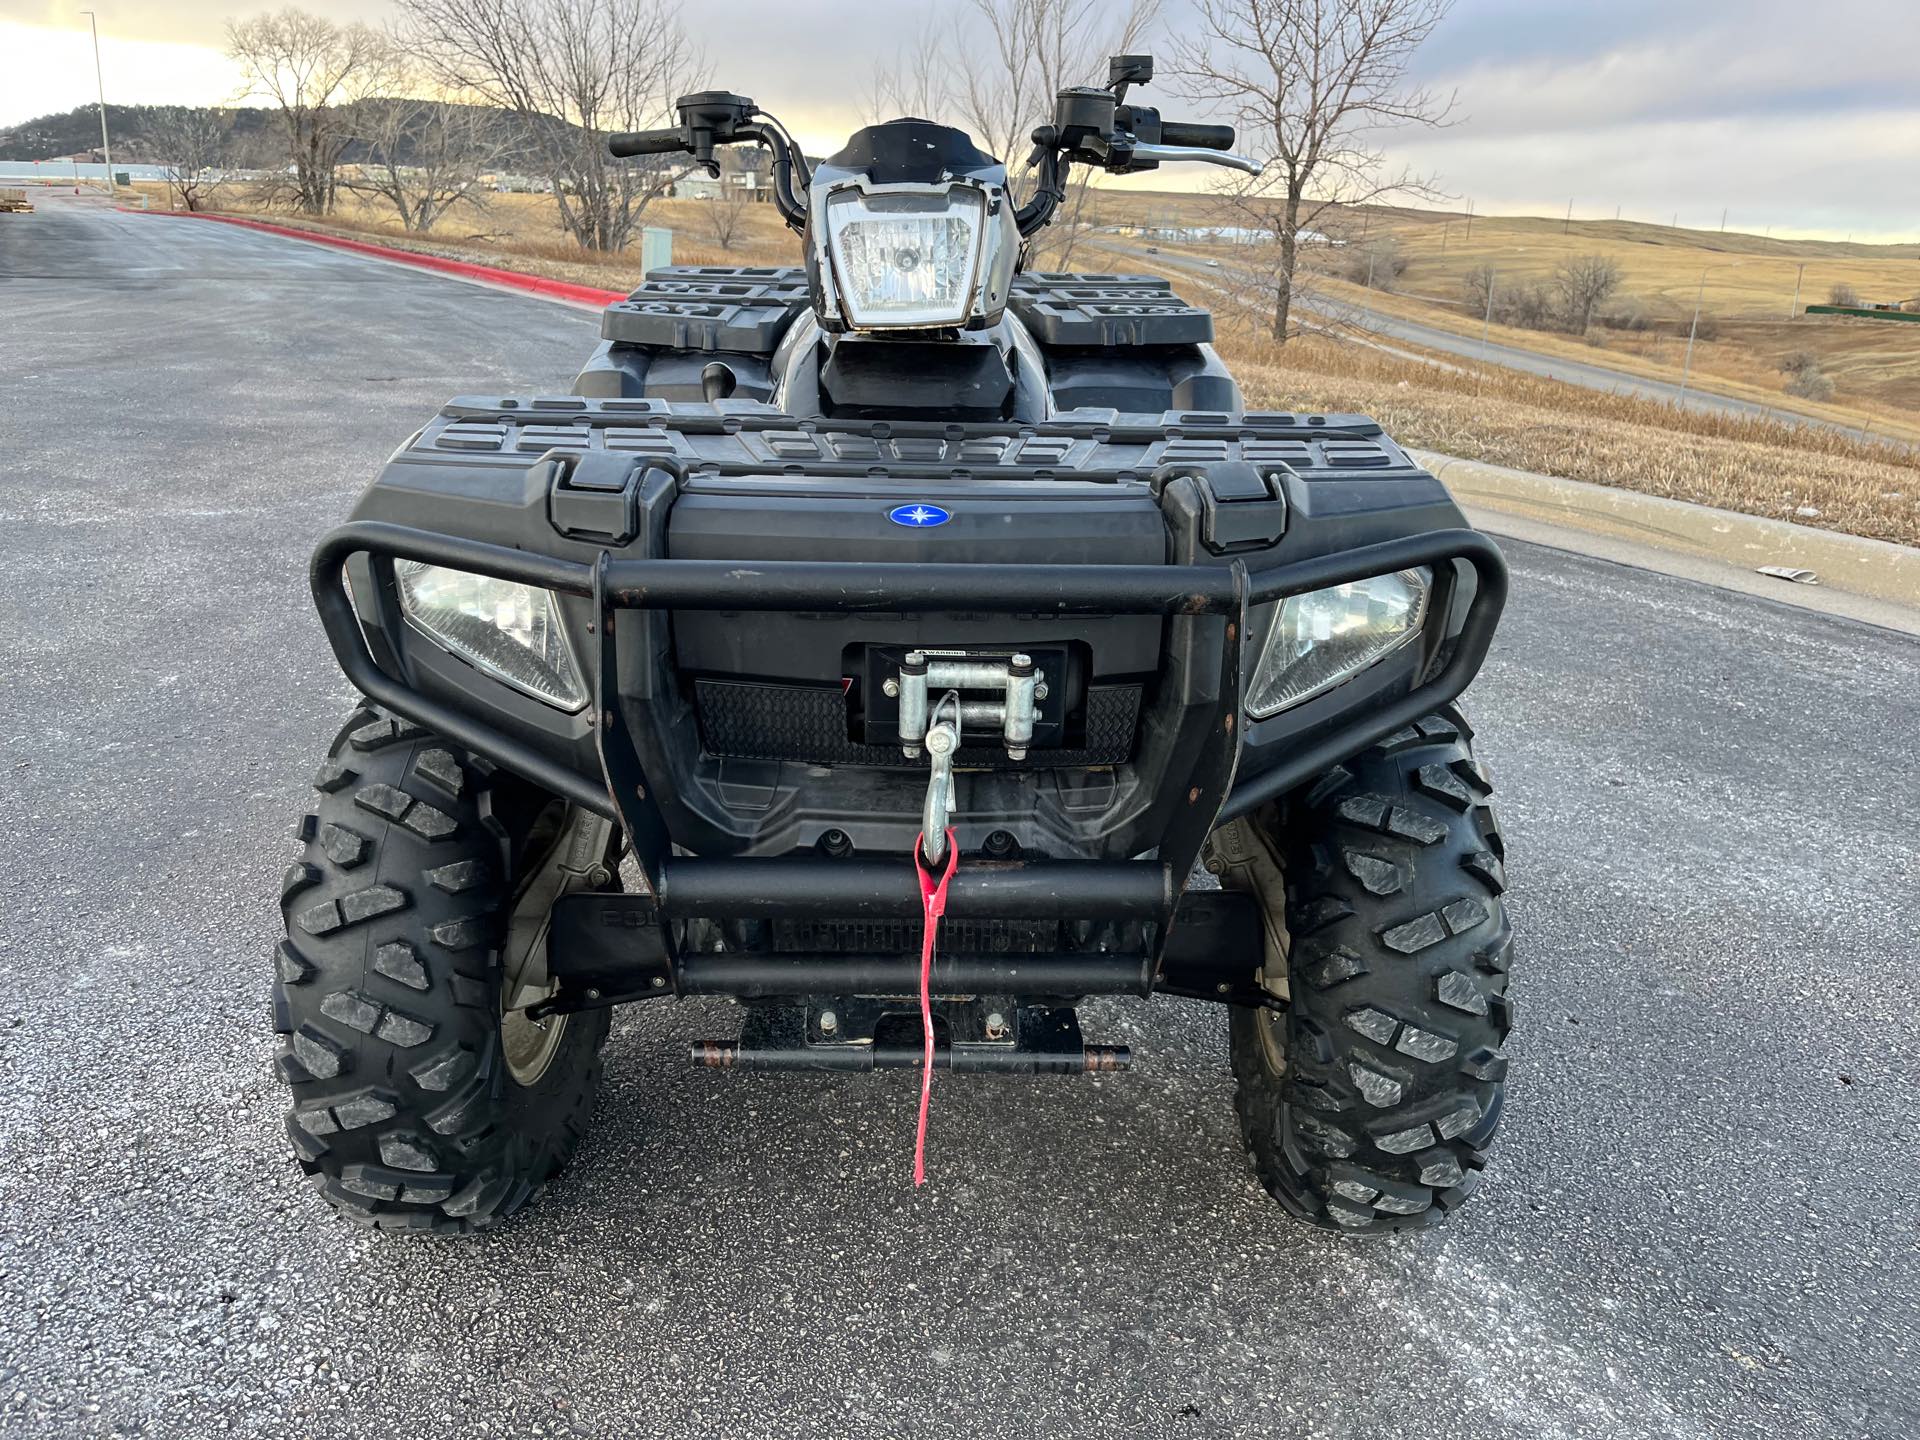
{"points": [[71, 131], [255, 135]]}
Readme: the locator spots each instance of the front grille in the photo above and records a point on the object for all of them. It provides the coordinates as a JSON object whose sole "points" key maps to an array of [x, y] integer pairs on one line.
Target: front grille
{"points": [[750, 721]]}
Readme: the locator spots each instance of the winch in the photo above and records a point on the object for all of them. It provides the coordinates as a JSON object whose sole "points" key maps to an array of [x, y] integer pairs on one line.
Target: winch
{"points": [[951, 674]]}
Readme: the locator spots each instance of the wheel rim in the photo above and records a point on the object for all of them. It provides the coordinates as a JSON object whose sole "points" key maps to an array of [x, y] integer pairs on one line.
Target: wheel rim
{"points": [[528, 1046], [1273, 1045]]}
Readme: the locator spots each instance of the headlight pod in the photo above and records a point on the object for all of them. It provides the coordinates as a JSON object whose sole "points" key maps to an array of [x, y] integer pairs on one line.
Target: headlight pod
{"points": [[1318, 639], [906, 259], [509, 630]]}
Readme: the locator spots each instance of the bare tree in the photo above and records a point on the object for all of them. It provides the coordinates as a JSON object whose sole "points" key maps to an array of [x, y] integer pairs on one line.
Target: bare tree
{"points": [[573, 71], [916, 82], [1310, 84], [731, 199], [1584, 282], [1843, 295], [195, 146], [425, 157], [1479, 286], [312, 70], [1021, 52]]}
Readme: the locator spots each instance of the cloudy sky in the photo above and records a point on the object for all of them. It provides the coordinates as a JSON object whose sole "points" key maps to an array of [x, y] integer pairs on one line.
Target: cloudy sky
{"points": [[1800, 118]]}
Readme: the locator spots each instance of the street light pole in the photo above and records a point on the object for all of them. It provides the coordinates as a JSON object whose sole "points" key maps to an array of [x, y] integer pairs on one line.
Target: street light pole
{"points": [[1686, 370], [106, 150]]}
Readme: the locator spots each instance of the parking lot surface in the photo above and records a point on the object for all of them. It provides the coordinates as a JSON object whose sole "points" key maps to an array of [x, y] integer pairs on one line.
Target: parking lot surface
{"points": [[1699, 1221]]}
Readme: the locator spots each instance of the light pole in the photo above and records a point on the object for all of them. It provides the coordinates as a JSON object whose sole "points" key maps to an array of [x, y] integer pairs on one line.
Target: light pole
{"points": [[106, 150], [1686, 370], [1486, 324]]}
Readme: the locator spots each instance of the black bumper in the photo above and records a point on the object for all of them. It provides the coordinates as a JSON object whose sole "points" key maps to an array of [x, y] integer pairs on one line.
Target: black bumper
{"points": [[1186, 761]]}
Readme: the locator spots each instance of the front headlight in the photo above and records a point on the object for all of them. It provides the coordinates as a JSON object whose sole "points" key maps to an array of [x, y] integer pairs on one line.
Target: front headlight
{"points": [[906, 259], [1316, 640], [509, 630]]}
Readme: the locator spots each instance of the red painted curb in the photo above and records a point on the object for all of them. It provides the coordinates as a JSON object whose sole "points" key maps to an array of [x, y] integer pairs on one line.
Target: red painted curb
{"points": [[511, 279]]}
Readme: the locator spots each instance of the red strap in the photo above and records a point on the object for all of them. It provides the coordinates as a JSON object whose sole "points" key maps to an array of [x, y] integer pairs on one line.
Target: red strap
{"points": [[933, 904]]}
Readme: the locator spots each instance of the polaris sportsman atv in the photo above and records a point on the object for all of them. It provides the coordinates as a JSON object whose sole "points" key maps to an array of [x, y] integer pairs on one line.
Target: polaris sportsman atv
{"points": [[905, 630]]}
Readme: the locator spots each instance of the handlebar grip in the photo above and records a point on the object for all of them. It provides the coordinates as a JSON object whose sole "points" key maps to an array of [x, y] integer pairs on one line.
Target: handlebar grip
{"points": [[646, 142], [1205, 137]]}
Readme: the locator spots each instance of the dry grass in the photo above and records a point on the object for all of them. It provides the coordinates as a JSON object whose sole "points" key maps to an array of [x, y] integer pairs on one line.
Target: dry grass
{"points": [[1756, 466], [1750, 283]]}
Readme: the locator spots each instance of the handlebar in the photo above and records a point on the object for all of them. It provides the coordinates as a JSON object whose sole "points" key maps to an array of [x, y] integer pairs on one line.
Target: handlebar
{"points": [[1205, 137], [627, 143], [712, 118]]}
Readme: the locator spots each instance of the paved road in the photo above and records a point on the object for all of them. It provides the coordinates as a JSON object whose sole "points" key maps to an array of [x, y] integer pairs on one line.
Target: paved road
{"points": [[1700, 1222], [1510, 357]]}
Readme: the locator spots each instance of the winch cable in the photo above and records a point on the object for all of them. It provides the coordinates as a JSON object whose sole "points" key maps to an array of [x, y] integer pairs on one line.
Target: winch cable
{"points": [[933, 904]]}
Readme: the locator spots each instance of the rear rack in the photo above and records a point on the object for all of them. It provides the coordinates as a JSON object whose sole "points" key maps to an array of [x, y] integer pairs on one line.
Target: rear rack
{"points": [[1189, 752]]}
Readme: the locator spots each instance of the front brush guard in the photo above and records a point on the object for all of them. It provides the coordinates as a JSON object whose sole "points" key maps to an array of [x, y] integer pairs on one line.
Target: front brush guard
{"points": [[1188, 751]]}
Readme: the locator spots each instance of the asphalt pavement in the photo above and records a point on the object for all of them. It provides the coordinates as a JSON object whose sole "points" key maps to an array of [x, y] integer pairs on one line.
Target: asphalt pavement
{"points": [[1355, 317], [1700, 1217]]}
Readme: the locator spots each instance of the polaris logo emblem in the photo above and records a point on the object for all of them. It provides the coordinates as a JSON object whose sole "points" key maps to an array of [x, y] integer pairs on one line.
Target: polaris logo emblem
{"points": [[918, 515]]}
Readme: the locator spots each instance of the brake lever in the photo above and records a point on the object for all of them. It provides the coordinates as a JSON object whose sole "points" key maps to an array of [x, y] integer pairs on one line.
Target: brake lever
{"points": [[1162, 154]]}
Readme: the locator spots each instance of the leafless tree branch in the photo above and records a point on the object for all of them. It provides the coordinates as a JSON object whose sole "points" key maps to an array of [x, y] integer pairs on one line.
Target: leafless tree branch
{"points": [[573, 71], [1310, 84]]}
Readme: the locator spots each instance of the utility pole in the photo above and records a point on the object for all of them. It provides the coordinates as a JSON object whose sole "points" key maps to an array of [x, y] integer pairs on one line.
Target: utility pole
{"points": [[1469, 219], [1723, 219], [1794, 308], [1445, 225], [1567, 229], [106, 150], [1372, 255]]}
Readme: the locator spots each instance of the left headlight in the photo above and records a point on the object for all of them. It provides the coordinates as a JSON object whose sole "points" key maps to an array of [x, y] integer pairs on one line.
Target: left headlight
{"points": [[509, 630], [1318, 639], [906, 259]]}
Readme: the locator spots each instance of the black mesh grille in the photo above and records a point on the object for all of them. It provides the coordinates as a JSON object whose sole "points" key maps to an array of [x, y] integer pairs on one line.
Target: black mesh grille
{"points": [[806, 722]]}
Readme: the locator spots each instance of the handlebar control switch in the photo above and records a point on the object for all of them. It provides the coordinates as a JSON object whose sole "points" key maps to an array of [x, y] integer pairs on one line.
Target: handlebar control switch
{"points": [[712, 117]]}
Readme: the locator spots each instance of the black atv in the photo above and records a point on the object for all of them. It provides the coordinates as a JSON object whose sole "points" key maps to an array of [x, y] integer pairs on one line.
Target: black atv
{"points": [[885, 644]]}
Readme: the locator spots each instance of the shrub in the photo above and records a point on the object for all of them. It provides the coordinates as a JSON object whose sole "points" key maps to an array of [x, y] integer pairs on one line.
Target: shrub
{"points": [[1379, 264], [1627, 315], [1796, 361], [1843, 294], [1810, 385], [1528, 306]]}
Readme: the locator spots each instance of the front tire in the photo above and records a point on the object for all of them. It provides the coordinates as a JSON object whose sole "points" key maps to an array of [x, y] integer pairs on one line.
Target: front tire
{"points": [[1369, 1103], [418, 1104]]}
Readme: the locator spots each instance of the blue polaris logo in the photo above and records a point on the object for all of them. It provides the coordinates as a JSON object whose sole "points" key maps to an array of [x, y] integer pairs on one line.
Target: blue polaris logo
{"points": [[918, 515]]}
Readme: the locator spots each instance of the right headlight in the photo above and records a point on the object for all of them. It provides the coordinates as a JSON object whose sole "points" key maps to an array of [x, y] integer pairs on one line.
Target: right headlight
{"points": [[509, 630], [1318, 639]]}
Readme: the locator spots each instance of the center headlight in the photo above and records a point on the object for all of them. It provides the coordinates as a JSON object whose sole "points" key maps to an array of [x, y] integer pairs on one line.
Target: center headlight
{"points": [[1317, 639], [509, 630], [906, 259]]}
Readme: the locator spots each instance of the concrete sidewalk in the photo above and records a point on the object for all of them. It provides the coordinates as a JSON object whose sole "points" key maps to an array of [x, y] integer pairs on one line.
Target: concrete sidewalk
{"points": [[1858, 578]]}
